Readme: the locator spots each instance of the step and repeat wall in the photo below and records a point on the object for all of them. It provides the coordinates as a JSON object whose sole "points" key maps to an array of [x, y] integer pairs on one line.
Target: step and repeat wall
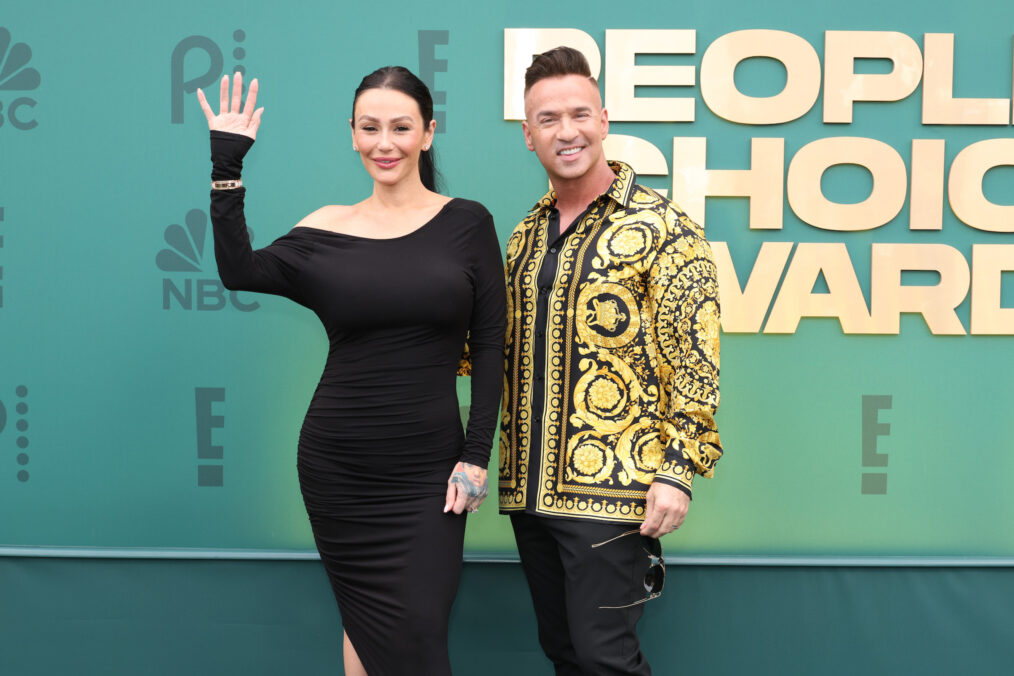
{"points": [[853, 167]]}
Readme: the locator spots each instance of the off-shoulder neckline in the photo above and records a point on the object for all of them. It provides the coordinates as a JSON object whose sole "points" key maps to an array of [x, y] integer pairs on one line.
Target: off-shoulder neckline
{"points": [[381, 239]]}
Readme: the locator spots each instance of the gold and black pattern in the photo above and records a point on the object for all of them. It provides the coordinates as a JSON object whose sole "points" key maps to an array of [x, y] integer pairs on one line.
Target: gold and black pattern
{"points": [[516, 418], [465, 363], [629, 382], [560, 325]]}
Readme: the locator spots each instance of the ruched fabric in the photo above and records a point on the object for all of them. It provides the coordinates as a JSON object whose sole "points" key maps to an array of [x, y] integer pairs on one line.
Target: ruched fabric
{"points": [[383, 430]]}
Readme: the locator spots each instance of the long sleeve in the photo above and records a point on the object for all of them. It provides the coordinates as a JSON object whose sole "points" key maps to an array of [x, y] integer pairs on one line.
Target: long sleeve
{"points": [[683, 288], [273, 269], [485, 342]]}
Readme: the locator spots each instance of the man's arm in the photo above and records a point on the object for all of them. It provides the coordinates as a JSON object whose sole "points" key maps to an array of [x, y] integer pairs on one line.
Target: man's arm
{"points": [[683, 292]]}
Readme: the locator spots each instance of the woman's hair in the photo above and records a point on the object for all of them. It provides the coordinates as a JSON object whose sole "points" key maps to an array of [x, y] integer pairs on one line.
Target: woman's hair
{"points": [[403, 80], [557, 62]]}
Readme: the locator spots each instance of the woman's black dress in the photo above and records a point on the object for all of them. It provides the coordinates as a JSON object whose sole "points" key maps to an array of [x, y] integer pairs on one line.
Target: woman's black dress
{"points": [[383, 430]]}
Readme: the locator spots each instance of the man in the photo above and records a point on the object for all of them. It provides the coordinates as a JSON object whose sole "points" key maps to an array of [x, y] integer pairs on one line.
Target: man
{"points": [[611, 378]]}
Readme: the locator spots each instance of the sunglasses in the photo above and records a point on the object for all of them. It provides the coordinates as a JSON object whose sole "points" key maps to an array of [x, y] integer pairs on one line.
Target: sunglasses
{"points": [[654, 579]]}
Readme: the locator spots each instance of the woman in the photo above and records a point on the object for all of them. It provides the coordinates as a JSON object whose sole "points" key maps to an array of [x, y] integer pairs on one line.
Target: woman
{"points": [[398, 280]]}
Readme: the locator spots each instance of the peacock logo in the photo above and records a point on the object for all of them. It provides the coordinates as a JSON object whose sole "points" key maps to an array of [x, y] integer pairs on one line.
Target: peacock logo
{"points": [[16, 76], [186, 245], [185, 254]]}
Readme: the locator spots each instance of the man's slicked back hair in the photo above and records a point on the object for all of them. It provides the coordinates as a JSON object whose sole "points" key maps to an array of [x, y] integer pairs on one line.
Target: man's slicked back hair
{"points": [[557, 62]]}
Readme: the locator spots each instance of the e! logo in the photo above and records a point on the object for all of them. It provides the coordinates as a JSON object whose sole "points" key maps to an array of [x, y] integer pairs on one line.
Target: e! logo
{"points": [[197, 62], [429, 66], [874, 483], [209, 474], [16, 75]]}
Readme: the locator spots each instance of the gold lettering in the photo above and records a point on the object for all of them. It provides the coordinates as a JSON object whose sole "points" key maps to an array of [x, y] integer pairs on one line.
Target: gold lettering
{"points": [[843, 86], [762, 183], [743, 310], [926, 207], [521, 44], [889, 298], [938, 103], [623, 75], [965, 185], [718, 83], [643, 157], [885, 201], [796, 299], [989, 262]]}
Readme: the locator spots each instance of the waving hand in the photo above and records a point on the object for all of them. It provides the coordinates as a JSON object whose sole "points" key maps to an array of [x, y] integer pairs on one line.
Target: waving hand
{"points": [[230, 118]]}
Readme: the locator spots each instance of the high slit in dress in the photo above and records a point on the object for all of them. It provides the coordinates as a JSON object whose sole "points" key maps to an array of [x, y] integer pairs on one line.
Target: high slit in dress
{"points": [[383, 431]]}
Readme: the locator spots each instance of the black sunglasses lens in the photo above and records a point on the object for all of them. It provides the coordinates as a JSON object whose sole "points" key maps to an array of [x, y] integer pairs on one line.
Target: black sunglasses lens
{"points": [[654, 579], [652, 546]]}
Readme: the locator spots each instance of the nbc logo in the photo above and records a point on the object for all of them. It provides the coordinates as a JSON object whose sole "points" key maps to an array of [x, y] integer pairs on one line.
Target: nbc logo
{"points": [[16, 76], [185, 255]]}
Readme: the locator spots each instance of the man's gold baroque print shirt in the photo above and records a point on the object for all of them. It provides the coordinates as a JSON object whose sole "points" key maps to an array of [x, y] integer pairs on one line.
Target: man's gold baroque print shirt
{"points": [[611, 375]]}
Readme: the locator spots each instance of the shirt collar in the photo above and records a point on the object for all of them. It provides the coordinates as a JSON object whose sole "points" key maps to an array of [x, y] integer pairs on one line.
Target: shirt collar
{"points": [[619, 191]]}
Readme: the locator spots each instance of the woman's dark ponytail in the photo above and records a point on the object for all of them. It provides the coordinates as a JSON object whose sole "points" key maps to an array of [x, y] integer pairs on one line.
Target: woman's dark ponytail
{"points": [[428, 169]]}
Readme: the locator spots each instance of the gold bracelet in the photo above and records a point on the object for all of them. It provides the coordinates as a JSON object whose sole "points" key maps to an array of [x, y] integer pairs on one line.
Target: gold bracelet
{"points": [[231, 184]]}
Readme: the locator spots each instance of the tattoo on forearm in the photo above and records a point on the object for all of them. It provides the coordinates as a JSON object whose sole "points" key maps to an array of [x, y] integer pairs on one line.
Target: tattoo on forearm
{"points": [[473, 482]]}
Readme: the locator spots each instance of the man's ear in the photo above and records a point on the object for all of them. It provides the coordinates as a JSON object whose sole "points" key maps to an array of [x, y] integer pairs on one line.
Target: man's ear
{"points": [[528, 135]]}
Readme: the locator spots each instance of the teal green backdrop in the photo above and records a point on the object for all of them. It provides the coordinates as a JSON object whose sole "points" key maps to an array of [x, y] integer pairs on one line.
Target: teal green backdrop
{"points": [[143, 408]]}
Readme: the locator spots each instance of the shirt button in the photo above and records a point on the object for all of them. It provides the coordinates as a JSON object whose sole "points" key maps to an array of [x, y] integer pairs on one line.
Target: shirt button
{"points": [[538, 377], [553, 250]]}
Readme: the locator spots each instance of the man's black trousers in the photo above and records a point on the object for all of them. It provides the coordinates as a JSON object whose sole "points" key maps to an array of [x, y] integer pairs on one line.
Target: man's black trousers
{"points": [[569, 580]]}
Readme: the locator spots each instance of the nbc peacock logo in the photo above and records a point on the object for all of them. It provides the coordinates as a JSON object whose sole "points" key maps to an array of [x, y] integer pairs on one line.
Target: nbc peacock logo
{"points": [[16, 76], [187, 289]]}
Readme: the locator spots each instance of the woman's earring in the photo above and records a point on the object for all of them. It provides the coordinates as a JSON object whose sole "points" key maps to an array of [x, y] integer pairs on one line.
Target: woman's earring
{"points": [[426, 147], [355, 149]]}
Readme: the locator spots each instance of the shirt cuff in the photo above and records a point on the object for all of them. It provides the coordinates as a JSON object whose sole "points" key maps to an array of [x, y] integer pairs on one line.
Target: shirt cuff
{"points": [[678, 472]]}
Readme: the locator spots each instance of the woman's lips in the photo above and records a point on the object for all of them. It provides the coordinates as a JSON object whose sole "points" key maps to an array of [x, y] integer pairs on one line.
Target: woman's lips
{"points": [[387, 162]]}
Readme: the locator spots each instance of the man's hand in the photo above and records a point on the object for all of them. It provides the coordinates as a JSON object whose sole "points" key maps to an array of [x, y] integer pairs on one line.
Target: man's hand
{"points": [[666, 508]]}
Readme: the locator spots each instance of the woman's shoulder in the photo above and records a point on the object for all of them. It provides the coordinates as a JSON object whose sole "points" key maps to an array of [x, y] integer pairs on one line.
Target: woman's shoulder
{"points": [[466, 206], [475, 227], [325, 217]]}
